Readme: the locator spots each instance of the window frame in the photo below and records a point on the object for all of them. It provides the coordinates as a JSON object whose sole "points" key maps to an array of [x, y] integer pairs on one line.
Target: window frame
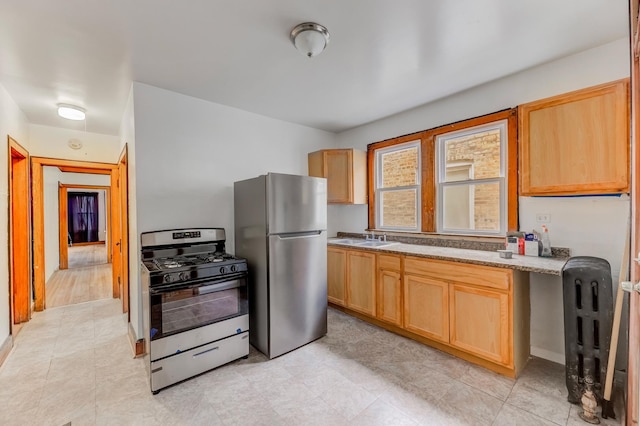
{"points": [[501, 180], [428, 168], [379, 153]]}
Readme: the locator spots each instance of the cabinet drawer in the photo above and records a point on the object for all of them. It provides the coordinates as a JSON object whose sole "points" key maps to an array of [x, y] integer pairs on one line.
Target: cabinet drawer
{"points": [[453, 271], [389, 262]]}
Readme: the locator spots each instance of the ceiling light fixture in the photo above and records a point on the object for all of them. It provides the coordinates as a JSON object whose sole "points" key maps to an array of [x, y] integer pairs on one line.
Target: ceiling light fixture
{"points": [[310, 38], [71, 112]]}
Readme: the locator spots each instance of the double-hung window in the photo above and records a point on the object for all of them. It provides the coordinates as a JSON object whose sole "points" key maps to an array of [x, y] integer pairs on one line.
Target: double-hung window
{"points": [[459, 178], [471, 183], [397, 187]]}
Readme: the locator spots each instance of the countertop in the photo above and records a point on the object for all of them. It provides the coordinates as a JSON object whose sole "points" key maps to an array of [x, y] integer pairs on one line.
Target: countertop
{"points": [[541, 265]]}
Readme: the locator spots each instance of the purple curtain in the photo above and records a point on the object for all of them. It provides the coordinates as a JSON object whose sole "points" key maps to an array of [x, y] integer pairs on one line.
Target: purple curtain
{"points": [[83, 216]]}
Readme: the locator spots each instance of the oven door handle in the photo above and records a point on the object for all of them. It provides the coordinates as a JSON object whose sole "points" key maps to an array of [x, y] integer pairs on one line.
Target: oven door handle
{"points": [[219, 287]]}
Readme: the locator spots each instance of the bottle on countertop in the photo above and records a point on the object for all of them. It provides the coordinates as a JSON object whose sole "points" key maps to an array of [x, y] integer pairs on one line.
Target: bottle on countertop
{"points": [[546, 242]]}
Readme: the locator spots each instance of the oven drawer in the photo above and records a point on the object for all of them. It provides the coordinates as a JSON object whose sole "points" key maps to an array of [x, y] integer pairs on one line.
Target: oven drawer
{"points": [[186, 340], [176, 368]]}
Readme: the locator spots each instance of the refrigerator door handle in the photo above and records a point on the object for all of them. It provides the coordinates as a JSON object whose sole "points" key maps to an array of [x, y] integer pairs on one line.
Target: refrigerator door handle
{"points": [[293, 235]]}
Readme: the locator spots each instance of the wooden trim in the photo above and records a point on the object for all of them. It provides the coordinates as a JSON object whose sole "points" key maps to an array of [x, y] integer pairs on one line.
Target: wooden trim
{"points": [[137, 345], [123, 163], [396, 141], [371, 158], [428, 166], [67, 169], [37, 185], [116, 234], [512, 171], [96, 187], [509, 372], [19, 233], [428, 176], [5, 348], [80, 166], [63, 227], [91, 243]]}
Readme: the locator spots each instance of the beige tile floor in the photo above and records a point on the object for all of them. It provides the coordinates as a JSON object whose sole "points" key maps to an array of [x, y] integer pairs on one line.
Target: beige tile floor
{"points": [[74, 364]]}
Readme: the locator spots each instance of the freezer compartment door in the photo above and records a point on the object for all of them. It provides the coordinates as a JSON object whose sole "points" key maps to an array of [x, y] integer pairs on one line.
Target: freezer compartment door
{"points": [[297, 290], [296, 203]]}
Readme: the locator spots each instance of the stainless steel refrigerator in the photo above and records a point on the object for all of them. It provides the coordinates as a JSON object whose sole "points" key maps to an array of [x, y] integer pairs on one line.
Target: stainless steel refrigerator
{"points": [[281, 229]]}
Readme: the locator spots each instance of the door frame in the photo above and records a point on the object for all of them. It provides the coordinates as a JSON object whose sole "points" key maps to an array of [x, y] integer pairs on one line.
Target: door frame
{"points": [[19, 235], [37, 185], [63, 225], [121, 212]]}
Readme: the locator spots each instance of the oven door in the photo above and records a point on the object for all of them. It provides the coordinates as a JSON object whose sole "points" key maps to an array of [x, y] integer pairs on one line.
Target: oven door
{"points": [[182, 307]]}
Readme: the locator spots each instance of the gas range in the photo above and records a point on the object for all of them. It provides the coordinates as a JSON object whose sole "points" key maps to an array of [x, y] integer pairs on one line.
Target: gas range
{"points": [[184, 268], [195, 304]]}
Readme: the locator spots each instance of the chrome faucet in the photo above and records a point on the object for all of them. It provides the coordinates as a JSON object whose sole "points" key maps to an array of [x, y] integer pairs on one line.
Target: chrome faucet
{"points": [[383, 237], [371, 237]]}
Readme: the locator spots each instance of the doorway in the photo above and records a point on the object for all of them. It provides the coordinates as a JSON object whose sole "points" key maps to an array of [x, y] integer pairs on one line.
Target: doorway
{"points": [[83, 225], [19, 236], [113, 238]]}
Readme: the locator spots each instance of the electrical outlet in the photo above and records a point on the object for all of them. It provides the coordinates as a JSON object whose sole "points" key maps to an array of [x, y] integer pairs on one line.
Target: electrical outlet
{"points": [[543, 217]]}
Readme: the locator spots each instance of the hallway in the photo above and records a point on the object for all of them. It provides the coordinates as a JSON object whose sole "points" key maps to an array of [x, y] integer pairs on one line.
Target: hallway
{"points": [[88, 278], [65, 360]]}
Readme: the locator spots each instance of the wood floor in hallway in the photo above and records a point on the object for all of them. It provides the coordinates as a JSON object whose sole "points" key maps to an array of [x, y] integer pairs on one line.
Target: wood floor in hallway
{"points": [[88, 278]]}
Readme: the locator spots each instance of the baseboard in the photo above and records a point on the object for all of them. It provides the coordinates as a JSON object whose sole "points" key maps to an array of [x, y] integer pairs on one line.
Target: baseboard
{"points": [[137, 345], [6, 347], [548, 355]]}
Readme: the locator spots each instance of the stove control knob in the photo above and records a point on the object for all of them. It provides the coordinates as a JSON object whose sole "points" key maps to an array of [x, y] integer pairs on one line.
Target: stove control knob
{"points": [[166, 278], [184, 276], [233, 268], [222, 270]]}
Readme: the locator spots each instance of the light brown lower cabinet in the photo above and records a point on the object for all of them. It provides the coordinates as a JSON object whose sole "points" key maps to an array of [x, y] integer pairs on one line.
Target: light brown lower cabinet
{"points": [[480, 322], [389, 296], [361, 282], [337, 276], [478, 313], [426, 309]]}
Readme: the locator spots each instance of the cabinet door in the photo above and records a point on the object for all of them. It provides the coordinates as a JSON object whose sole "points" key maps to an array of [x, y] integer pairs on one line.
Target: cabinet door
{"points": [[389, 296], [480, 322], [576, 143], [339, 174], [336, 276], [426, 309], [361, 282]]}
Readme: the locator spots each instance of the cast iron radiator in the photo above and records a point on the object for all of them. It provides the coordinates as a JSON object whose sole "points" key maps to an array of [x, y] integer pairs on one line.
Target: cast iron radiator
{"points": [[588, 316]]}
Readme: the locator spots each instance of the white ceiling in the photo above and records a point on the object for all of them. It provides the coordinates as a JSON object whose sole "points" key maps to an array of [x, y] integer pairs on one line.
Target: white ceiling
{"points": [[384, 56]]}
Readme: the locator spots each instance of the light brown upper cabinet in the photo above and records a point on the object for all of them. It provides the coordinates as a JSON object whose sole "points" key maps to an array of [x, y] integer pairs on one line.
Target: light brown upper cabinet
{"points": [[346, 173], [576, 143]]}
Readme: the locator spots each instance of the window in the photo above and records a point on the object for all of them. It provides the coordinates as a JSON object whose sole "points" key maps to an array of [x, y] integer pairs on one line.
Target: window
{"points": [[459, 178], [471, 183], [398, 187]]}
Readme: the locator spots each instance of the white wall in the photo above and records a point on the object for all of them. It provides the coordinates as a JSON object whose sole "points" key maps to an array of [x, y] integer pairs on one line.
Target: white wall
{"points": [[128, 137], [13, 123], [589, 226], [52, 142], [188, 153], [53, 176]]}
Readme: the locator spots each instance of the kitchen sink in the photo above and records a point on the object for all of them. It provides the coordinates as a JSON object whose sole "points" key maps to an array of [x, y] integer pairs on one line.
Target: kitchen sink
{"points": [[348, 241], [363, 243], [376, 243]]}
